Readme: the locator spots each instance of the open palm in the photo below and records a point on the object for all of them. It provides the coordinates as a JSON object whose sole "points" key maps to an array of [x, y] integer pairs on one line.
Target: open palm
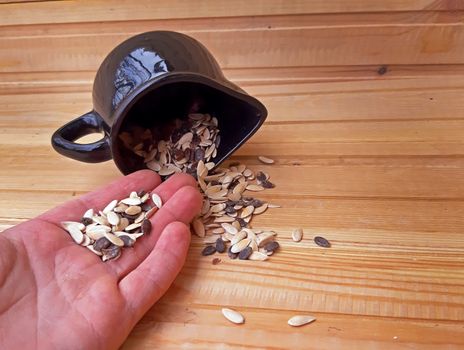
{"points": [[55, 294]]}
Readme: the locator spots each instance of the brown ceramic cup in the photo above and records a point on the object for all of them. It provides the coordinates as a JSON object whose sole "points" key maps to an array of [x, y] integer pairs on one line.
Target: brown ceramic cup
{"points": [[148, 80]]}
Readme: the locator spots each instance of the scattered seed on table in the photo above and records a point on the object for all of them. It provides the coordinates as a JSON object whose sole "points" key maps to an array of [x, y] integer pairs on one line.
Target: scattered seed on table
{"points": [[300, 320], [297, 235], [208, 250], [191, 148], [216, 261], [266, 160], [220, 245], [271, 246], [322, 242], [233, 316]]}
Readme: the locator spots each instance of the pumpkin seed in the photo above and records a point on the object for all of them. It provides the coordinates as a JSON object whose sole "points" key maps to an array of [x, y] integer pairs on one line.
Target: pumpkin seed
{"points": [[300, 320], [245, 253], [258, 256], [198, 228], [114, 239], [112, 218], [229, 228], [131, 201], [322, 242], [133, 210], [157, 200], [233, 316], [220, 246], [146, 227], [110, 206], [208, 250], [238, 247], [297, 235], [266, 160]]}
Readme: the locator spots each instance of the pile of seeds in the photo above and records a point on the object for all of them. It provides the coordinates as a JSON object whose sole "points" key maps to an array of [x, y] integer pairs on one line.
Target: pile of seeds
{"points": [[191, 140], [115, 227], [227, 211]]}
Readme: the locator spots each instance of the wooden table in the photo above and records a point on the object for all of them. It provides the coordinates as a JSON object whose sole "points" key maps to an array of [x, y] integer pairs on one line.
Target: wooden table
{"points": [[366, 123]]}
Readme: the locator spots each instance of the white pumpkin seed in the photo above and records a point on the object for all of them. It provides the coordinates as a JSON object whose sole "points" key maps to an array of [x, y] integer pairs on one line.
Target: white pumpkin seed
{"points": [[133, 210], [133, 227], [157, 200], [66, 224], [266, 160], [140, 218], [247, 211], [88, 214], [112, 218], [111, 205], [131, 201], [238, 237], [255, 188], [76, 233], [238, 247], [300, 320], [258, 256], [229, 228], [86, 241], [260, 209], [198, 228], [233, 316], [297, 235], [114, 239]]}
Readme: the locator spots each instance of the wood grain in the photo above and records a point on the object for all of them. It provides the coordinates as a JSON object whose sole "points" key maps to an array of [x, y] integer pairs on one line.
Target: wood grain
{"points": [[102, 10], [434, 38], [365, 124]]}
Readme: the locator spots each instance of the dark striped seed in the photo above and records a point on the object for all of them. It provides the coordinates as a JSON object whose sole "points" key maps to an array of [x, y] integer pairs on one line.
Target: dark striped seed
{"points": [[271, 246], [208, 250], [322, 242], [101, 243], [220, 245], [146, 227], [245, 253], [128, 242]]}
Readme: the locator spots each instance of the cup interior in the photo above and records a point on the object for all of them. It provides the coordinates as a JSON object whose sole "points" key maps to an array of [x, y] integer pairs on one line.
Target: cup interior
{"points": [[156, 109]]}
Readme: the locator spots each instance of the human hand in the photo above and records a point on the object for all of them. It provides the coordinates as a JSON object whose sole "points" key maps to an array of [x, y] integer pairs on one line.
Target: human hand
{"points": [[55, 294]]}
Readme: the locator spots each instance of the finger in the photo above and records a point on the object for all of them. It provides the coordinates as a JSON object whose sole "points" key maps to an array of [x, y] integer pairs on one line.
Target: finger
{"points": [[98, 199], [149, 281], [182, 206]]}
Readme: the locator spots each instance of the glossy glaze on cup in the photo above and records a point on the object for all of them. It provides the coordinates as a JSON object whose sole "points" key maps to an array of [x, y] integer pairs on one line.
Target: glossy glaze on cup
{"points": [[152, 78]]}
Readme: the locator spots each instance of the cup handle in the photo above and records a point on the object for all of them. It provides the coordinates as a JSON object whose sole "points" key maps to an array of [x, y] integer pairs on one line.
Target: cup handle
{"points": [[89, 123]]}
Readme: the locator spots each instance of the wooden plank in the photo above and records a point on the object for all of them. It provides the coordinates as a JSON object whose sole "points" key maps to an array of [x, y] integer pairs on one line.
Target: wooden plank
{"points": [[434, 39], [342, 178], [406, 75], [102, 10], [178, 326], [356, 98]]}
